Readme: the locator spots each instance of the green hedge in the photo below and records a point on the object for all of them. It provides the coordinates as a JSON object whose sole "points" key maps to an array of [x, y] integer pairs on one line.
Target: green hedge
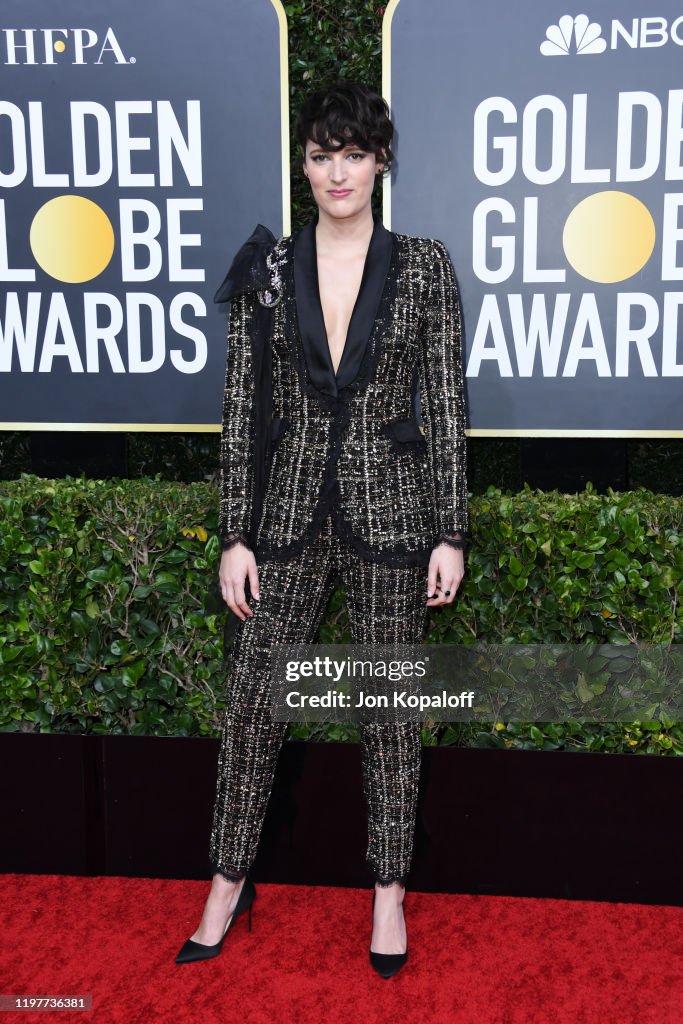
{"points": [[113, 622]]}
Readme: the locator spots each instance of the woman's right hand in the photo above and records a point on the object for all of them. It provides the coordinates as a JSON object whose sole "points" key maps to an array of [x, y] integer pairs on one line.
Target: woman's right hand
{"points": [[237, 564]]}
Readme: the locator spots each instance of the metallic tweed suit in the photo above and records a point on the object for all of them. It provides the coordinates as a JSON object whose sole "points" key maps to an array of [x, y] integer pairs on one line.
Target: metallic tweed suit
{"points": [[356, 493]]}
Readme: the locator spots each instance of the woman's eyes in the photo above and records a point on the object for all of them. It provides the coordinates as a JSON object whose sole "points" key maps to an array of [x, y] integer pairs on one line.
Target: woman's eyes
{"points": [[323, 156]]}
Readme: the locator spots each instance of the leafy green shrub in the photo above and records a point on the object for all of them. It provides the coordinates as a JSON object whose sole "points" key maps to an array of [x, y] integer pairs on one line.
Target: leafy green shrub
{"points": [[113, 621]]}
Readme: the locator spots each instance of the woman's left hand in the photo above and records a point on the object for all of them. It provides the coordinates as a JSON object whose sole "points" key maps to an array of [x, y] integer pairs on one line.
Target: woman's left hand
{"points": [[446, 569]]}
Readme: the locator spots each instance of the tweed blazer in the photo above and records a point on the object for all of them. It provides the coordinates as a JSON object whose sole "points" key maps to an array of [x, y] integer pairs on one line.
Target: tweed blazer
{"points": [[351, 443]]}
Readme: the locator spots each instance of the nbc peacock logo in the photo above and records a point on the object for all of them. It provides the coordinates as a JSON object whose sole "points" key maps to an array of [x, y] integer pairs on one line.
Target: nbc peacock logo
{"points": [[577, 35]]}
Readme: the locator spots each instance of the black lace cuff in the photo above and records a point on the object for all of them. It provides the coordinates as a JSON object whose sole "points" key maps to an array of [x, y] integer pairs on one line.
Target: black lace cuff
{"points": [[454, 539], [228, 540]]}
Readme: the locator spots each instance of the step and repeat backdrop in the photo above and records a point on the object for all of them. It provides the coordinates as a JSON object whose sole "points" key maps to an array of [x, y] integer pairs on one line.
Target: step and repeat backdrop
{"points": [[544, 146], [139, 145]]}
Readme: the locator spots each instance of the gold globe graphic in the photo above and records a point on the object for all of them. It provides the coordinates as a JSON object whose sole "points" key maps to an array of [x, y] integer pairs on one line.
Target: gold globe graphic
{"points": [[609, 237], [72, 239]]}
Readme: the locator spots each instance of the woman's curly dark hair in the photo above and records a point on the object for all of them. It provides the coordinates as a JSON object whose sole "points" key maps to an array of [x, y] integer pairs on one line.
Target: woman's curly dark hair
{"points": [[350, 112]]}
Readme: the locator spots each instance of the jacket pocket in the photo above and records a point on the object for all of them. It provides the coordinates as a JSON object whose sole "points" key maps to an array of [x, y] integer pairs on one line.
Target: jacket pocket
{"points": [[405, 434]]}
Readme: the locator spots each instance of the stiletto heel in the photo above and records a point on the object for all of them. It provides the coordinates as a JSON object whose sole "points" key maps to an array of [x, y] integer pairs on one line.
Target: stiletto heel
{"points": [[387, 964], [192, 950]]}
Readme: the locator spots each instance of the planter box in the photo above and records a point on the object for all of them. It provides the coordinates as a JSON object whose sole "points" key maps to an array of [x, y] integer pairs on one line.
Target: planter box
{"points": [[505, 822]]}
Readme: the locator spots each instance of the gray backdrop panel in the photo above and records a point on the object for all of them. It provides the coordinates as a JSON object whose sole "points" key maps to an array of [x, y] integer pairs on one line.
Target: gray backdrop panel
{"points": [[227, 57], [446, 58]]}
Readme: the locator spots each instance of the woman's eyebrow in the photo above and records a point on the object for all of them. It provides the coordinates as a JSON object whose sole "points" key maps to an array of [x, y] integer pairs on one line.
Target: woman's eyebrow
{"points": [[319, 149]]}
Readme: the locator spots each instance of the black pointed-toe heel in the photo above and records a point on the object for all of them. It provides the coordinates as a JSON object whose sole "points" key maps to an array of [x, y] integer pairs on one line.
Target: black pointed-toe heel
{"points": [[192, 950], [387, 964]]}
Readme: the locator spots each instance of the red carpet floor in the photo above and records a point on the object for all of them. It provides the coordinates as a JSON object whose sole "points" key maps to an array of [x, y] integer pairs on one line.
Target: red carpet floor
{"points": [[472, 959]]}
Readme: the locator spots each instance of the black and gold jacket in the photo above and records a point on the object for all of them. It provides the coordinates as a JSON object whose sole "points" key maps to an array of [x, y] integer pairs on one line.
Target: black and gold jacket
{"points": [[347, 443]]}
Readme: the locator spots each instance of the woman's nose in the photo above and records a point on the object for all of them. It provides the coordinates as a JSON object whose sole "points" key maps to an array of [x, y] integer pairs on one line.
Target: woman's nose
{"points": [[337, 171]]}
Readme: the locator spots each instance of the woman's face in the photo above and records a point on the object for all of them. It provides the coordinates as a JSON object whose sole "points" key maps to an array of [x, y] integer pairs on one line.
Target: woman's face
{"points": [[341, 182]]}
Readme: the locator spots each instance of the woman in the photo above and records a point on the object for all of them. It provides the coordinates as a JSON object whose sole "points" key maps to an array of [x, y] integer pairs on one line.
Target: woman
{"points": [[354, 492]]}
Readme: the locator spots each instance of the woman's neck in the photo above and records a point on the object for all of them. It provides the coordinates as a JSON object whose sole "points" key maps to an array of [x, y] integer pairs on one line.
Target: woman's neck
{"points": [[348, 233]]}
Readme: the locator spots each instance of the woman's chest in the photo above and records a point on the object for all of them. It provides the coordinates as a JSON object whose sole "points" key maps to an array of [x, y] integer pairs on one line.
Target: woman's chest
{"points": [[385, 332], [339, 289]]}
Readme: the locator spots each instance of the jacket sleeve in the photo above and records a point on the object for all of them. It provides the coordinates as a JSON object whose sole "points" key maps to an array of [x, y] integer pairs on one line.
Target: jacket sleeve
{"points": [[237, 441], [442, 398]]}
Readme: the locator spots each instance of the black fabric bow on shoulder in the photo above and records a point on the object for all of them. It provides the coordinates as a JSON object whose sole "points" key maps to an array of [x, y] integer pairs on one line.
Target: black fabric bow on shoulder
{"points": [[249, 272]]}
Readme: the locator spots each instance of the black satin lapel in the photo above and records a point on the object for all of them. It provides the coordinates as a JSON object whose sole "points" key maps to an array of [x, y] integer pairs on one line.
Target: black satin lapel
{"points": [[309, 311], [365, 311]]}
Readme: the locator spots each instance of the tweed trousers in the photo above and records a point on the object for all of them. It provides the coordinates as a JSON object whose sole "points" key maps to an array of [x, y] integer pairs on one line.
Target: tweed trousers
{"points": [[386, 605]]}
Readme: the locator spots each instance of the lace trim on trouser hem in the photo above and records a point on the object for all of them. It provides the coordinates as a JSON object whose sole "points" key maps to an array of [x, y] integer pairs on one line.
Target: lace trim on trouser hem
{"points": [[389, 880], [231, 875]]}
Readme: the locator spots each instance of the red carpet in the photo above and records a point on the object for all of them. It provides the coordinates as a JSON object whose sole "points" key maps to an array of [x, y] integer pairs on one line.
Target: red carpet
{"points": [[472, 959]]}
